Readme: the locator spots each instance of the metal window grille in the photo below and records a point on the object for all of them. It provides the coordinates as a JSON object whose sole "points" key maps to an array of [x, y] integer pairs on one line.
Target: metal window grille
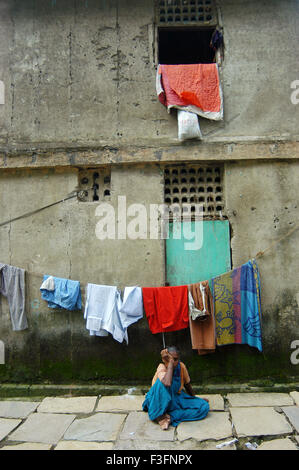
{"points": [[182, 12], [94, 184], [188, 186]]}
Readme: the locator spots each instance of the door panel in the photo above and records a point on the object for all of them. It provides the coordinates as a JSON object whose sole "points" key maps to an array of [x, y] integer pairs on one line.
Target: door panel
{"points": [[210, 257]]}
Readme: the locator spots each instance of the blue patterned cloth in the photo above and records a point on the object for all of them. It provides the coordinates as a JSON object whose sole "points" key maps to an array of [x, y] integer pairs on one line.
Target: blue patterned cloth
{"points": [[180, 406], [237, 306]]}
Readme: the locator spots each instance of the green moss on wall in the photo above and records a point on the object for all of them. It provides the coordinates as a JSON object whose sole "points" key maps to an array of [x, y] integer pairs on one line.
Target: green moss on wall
{"points": [[231, 364]]}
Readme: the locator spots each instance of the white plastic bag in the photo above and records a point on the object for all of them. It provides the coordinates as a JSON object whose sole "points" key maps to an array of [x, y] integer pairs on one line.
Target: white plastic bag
{"points": [[251, 445], [188, 125], [227, 443]]}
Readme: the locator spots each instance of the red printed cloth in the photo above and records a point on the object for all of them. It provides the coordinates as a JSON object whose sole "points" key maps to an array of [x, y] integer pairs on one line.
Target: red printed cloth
{"points": [[166, 308], [191, 87]]}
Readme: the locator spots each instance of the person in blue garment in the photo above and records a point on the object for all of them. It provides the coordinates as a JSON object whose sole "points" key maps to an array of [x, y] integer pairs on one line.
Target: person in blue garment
{"points": [[166, 402]]}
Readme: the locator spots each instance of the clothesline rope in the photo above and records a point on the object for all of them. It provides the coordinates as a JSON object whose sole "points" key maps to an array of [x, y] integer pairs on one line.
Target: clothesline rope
{"points": [[75, 193], [261, 253], [28, 214], [258, 255]]}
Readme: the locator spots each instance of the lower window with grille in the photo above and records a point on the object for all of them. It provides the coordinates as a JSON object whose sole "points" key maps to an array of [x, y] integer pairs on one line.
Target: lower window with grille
{"points": [[197, 248]]}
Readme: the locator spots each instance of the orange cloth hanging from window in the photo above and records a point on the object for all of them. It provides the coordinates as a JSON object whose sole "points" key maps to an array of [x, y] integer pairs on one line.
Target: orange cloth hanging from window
{"points": [[192, 85]]}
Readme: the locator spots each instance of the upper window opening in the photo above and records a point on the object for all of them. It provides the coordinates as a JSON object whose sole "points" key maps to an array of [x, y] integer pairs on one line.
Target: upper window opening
{"points": [[185, 46]]}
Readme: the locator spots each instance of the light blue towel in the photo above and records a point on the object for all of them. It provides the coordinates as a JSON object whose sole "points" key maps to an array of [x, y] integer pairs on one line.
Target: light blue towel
{"points": [[131, 309], [67, 294]]}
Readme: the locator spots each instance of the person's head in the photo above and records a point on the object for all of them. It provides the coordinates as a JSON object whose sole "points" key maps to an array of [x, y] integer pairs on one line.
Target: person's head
{"points": [[173, 351]]}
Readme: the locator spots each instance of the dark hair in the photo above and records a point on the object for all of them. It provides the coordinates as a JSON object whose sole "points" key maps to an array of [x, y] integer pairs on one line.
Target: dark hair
{"points": [[172, 349]]}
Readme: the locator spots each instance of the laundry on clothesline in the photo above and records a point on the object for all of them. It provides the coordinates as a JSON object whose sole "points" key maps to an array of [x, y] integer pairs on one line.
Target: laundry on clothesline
{"points": [[48, 284], [66, 293], [202, 321], [131, 309], [105, 312], [102, 312], [199, 293], [224, 310], [166, 308], [237, 306], [12, 286]]}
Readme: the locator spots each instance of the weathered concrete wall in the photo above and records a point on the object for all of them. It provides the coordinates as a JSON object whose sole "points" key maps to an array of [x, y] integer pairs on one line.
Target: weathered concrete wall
{"points": [[259, 67], [83, 73], [62, 241], [80, 78], [262, 204]]}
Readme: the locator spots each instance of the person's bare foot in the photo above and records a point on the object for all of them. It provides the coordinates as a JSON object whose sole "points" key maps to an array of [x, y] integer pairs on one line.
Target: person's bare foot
{"points": [[164, 421], [164, 425]]}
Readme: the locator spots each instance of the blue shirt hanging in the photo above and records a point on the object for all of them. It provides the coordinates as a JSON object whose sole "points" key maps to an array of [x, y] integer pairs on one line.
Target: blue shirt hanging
{"points": [[67, 294]]}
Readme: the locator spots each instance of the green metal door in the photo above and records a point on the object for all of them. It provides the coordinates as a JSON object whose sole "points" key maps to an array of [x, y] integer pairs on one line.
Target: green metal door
{"points": [[206, 255]]}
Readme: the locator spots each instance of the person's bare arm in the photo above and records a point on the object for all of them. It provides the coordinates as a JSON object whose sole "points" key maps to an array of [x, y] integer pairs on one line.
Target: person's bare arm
{"points": [[189, 389], [167, 379]]}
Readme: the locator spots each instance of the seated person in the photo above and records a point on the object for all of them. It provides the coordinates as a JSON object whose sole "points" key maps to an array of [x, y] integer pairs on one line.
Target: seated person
{"points": [[166, 402]]}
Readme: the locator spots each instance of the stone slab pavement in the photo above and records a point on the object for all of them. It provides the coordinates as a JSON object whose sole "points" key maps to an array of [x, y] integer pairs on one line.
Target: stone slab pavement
{"points": [[236, 421]]}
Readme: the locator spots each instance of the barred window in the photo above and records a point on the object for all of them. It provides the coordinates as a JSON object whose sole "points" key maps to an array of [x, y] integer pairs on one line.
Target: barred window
{"points": [[193, 185], [178, 12]]}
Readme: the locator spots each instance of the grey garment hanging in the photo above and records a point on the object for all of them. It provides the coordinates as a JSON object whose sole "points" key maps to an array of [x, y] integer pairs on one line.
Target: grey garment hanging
{"points": [[12, 286]]}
